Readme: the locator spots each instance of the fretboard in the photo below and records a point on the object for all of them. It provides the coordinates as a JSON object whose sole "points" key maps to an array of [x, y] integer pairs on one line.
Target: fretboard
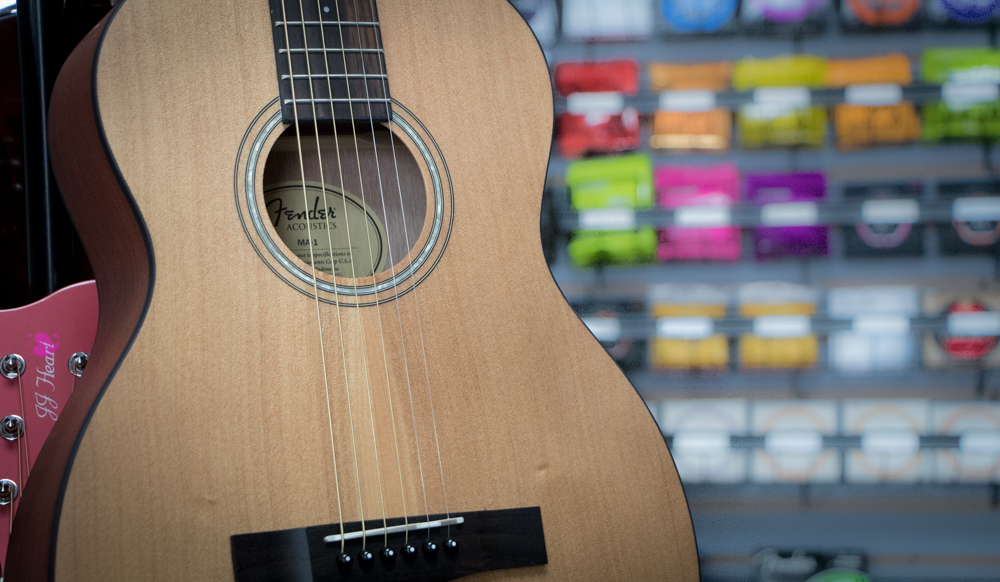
{"points": [[337, 69]]}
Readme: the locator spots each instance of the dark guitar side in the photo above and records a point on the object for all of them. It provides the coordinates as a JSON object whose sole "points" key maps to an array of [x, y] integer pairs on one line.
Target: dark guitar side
{"points": [[166, 448], [123, 265]]}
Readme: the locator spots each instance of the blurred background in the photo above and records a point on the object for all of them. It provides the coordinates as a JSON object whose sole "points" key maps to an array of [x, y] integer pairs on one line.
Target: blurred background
{"points": [[780, 217]]}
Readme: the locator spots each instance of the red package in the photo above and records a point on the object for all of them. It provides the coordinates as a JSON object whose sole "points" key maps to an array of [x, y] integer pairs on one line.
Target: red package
{"points": [[595, 132], [620, 76]]}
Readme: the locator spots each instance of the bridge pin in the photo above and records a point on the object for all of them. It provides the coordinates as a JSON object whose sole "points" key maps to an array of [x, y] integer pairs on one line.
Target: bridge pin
{"points": [[365, 558], [409, 552], [344, 560], [450, 546], [387, 555], [430, 549]]}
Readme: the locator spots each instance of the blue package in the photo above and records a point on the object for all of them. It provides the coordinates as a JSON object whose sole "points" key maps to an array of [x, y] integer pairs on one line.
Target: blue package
{"points": [[698, 15]]}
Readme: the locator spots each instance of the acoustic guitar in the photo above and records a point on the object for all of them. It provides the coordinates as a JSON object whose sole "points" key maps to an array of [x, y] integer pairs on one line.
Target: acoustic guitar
{"points": [[329, 346]]}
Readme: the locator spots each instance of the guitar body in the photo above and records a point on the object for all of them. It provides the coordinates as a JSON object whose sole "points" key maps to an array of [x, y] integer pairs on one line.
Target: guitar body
{"points": [[203, 413]]}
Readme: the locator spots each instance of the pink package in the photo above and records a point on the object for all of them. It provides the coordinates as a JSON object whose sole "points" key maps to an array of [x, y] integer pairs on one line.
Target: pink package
{"points": [[678, 186]]}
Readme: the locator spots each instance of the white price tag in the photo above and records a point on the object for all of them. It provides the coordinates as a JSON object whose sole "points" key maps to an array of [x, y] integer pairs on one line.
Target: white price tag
{"points": [[783, 97], [789, 214], [882, 324], [873, 95], [701, 216], [793, 441], [700, 442], [605, 329], [890, 212], [979, 208], [611, 219], [980, 324], [693, 101], [684, 327], [782, 326], [889, 442], [960, 96], [980, 442], [599, 103]]}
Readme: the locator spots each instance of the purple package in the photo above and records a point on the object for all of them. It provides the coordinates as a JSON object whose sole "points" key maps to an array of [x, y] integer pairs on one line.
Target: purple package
{"points": [[775, 242]]}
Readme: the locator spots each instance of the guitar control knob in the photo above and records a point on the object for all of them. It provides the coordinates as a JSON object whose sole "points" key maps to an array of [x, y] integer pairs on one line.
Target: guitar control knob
{"points": [[12, 366], [77, 362], [8, 491], [12, 427]]}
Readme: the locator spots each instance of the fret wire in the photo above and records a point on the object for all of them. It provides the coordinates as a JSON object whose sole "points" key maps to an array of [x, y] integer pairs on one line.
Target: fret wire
{"points": [[337, 100], [338, 76], [324, 23], [332, 50]]}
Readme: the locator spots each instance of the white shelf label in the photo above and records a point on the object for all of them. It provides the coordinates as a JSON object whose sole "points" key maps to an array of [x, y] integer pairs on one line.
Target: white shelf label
{"points": [[793, 441], [611, 219], [974, 324], [783, 97], [781, 326], [889, 442], [684, 327], [605, 329], [789, 214], [599, 103], [873, 95], [882, 324], [700, 442], [687, 101], [979, 208], [960, 96], [701, 216], [890, 212], [980, 442]]}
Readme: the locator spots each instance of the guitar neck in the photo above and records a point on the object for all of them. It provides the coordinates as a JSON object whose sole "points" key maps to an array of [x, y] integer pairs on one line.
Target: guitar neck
{"points": [[330, 63]]}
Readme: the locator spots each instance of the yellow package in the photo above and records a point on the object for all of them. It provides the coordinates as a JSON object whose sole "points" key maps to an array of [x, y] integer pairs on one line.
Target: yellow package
{"points": [[670, 300], [788, 71], [681, 354], [775, 298], [793, 352], [766, 126]]}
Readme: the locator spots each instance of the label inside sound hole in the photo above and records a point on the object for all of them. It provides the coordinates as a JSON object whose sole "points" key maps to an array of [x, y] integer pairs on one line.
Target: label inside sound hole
{"points": [[345, 223]]}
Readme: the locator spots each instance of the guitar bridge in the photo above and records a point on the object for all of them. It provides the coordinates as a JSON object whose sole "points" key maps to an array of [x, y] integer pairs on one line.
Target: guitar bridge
{"points": [[480, 541]]}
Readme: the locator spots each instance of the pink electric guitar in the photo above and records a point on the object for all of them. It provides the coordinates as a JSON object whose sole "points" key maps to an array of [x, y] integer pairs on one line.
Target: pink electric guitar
{"points": [[44, 347]]}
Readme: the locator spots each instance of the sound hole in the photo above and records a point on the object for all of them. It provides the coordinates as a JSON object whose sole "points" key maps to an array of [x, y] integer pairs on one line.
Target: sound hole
{"points": [[375, 199]]}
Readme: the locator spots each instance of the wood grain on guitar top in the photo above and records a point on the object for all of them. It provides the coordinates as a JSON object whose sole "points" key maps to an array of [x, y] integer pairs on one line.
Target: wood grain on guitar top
{"points": [[216, 421]]}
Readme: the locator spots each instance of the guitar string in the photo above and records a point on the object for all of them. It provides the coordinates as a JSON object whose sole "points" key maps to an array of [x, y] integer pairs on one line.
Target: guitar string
{"points": [[312, 261], [392, 267], [364, 351], [24, 421], [322, 181], [416, 302]]}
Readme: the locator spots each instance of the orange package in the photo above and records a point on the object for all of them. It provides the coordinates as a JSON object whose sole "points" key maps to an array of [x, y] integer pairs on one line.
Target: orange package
{"points": [[705, 130], [672, 77], [890, 68], [884, 12], [859, 126]]}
